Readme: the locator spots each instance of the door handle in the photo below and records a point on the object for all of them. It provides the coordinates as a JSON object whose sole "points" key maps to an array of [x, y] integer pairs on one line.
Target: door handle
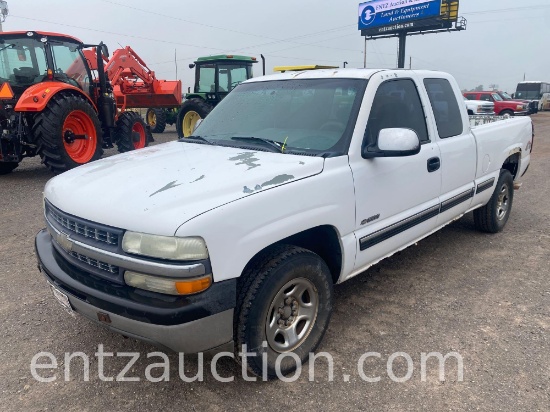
{"points": [[434, 164]]}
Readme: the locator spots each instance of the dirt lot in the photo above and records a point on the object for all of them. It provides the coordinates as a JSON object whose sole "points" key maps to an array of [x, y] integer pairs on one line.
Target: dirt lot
{"points": [[486, 297]]}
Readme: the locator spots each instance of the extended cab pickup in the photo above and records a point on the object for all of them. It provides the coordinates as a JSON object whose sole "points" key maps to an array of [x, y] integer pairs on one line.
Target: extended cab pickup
{"points": [[293, 183]]}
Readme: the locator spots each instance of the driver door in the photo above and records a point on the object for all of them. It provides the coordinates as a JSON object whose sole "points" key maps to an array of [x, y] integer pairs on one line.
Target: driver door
{"points": [[397, 198]]}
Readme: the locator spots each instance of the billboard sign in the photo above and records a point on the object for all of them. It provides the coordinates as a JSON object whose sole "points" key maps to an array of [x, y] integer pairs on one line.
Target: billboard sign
{"points": [[375, 15]]}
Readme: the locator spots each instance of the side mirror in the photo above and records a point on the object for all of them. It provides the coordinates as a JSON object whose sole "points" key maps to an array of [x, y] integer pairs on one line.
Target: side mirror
{"points": [[192, 66], [394, 143], [104, 50]]}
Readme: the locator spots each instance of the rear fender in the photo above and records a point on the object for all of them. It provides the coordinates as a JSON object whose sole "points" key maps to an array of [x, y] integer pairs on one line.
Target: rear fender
{"points": [[36, 97]]}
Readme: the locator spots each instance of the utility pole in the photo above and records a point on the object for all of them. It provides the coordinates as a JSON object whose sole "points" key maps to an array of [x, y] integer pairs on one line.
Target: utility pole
{"points": [[3, 12], [365, 54]]}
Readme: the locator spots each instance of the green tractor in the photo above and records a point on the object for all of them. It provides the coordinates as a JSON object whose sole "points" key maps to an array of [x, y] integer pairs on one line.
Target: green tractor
{"points": [[157, 118], [215, 77]]}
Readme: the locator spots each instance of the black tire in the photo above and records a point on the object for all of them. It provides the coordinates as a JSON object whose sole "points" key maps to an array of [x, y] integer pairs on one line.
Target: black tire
{"points": [[262, 282], [470, 112], [48, 132], [159, 124], [7, 167], [124, 132], [198, 105], [492, 217], [507, 113]]}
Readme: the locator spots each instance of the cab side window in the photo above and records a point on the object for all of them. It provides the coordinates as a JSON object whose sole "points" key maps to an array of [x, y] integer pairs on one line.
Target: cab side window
{"points": [[448, 116], [396, 105]]}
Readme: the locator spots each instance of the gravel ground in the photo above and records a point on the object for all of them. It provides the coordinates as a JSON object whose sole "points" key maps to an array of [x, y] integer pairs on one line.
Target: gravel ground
{"points": [[486, 297]]}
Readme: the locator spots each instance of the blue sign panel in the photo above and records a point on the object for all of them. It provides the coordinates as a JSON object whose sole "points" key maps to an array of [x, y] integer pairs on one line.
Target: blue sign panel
{"points": [[380, 13]]}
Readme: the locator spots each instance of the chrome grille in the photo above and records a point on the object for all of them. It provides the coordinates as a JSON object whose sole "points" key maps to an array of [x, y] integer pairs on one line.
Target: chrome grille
{"points": [[95, 263], [85, 229]]}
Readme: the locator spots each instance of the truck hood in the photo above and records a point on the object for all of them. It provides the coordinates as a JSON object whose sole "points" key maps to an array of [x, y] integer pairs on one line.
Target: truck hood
{"points": [[156, 189]]}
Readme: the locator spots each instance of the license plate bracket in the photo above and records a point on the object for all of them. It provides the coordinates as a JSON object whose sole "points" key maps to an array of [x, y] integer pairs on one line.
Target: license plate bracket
{"points": [[62, 298]]}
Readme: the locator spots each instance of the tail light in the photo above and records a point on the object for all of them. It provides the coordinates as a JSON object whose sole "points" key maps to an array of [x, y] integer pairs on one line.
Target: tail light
{"points": [[50, 74]]}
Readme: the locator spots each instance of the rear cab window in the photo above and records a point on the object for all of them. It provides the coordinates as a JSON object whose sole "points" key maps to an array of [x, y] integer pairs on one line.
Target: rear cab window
{"points": [[448, 116]]}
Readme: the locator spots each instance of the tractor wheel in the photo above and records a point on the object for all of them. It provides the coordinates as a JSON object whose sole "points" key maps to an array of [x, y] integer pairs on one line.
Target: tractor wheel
{"points": [[190, 113], [68, 133], [7, 167], [131, 132], [156, 119]]}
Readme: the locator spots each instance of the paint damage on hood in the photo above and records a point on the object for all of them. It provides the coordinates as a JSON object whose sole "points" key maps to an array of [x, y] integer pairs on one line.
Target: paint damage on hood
{"points": [[176, 180]]}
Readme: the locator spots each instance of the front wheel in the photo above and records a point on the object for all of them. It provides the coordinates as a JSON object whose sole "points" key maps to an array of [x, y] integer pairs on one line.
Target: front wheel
{"points": [[68, 133], [284, 306], [131, 132], [191, 111], [493, 216], [156, 119], [507, 113]]}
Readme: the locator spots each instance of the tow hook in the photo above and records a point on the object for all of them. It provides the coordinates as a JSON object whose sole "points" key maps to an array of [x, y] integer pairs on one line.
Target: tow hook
{"points": [[517, 185]]}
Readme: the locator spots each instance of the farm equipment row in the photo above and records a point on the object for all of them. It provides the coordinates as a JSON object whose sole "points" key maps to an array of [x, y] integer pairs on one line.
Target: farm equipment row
{"points": [[66, 101]]}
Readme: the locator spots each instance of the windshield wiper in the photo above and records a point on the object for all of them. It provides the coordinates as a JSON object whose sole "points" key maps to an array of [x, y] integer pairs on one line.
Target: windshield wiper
{"points": [[7, 47], [277, 146], [199, 138]]}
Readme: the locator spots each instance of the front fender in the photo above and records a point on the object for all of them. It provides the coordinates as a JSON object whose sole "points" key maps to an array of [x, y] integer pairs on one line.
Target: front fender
{"points": [[36, 97]]}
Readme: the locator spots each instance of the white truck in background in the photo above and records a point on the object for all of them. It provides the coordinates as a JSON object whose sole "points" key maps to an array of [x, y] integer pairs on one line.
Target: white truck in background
{"points": [[293, 183], [479, 107]]}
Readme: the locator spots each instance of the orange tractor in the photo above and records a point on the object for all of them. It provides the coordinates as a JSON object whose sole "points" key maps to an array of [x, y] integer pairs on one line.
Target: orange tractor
{"points": [[65, 100]]}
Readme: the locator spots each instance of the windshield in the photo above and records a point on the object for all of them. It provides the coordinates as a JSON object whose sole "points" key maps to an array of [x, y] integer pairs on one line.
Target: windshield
{"points": [[497, 98], [231, 76], [505, 96], [300, 115], [22, 62], [529, 91]]}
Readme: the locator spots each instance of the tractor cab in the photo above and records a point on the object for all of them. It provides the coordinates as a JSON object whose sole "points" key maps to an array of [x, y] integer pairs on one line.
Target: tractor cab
{"points": [[216, 76], [28, 58]]}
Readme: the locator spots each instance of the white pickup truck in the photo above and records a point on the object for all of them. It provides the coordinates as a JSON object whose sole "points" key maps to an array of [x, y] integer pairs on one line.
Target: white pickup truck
{"points": [[293, 183], [479, 107]]}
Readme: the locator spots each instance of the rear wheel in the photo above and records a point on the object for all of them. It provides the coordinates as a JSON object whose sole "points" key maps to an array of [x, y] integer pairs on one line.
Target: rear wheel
{"points": [[190, 113], [284, 305], [7, 167], [68, 133], [493, 216], [131, 132], [156, 119]]}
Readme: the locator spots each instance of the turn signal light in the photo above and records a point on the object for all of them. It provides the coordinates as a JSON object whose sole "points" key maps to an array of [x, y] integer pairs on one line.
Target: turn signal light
{"points": [[50, 74], [166, 285]]}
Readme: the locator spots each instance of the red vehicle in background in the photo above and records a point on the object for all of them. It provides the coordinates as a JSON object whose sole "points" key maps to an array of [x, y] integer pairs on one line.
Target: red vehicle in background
{"points": [[502, 107], [532, 105]]}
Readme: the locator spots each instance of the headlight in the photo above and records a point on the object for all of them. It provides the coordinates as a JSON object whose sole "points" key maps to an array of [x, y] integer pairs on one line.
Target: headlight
{"points": [[520, 107], [165, 247]]}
